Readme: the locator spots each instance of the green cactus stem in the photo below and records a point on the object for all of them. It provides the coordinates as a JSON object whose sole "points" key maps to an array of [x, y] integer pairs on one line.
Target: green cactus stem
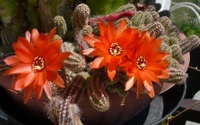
{"points": [[189, 44], [97, 94], [68, 76], [155, 27], [138, 19], [177, 53], [148, 17], [75, 62], [155, 15], [57, 37], [60, 24], [165, 48], [173, 62], [130, 7], [87, 29], [165, 21], [177, 76], [172, 31], [150, 8], [67, 47], [7, 36], [80, 16], [170, 40]]}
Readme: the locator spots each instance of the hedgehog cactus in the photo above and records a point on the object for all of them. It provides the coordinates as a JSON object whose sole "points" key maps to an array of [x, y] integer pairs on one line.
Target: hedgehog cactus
{"points": [[74, 21]]}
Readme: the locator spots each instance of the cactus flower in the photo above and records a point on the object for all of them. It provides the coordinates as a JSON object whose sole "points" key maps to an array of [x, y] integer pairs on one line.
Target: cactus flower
{"points": [[112, 47], [147, 65], [36, 62]]}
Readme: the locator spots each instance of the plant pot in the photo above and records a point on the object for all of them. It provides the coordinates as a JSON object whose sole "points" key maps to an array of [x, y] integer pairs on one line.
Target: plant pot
{"points": [[121, 109]]}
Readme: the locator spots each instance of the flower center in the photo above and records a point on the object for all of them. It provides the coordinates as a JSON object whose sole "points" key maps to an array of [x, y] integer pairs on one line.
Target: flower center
{"points": [[141, 63], [38, 64], [115, 49]]}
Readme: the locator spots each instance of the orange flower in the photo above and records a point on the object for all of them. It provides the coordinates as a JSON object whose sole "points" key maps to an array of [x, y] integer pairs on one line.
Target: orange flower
{"points": [[36, 62], [112, 47], [147, 65]]}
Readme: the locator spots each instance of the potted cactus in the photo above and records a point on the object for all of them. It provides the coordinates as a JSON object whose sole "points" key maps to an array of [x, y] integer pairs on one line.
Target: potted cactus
{"points": [[84, 68]]}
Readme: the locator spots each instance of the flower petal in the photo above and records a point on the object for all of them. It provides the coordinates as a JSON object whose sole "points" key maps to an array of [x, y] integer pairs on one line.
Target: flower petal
{"points": [[23, 56], [122, 26], [38, 91], [47, 90], [112, 70], [111, 32], [34, 35], [12, 60], [27, 93], [59, 81], [99, 62], [22, 68], [42, 78], [51, 34], [24, 80], [51, 75], [91, 40], [149, 88], [129, 83]]}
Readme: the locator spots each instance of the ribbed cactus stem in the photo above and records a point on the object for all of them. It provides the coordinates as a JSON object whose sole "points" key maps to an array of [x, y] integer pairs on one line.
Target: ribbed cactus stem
{"points": [[165, 48], [57, 37], [155, 15], [150, 8], [80, 16], [165, 21], [130, 7], [67, 47], [75, 62], [170, 40], [138, 19], [97, 94], [81, 42], [189, 44], [172, 31], [172, 62], [177, 76], [7, 36], [87, 29], [60, 24], [74, 115], [177, 53], [52, 108], [155, 27], [6, 50], [148, 17], [111, 17], [71, 96], [69, 113]]}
